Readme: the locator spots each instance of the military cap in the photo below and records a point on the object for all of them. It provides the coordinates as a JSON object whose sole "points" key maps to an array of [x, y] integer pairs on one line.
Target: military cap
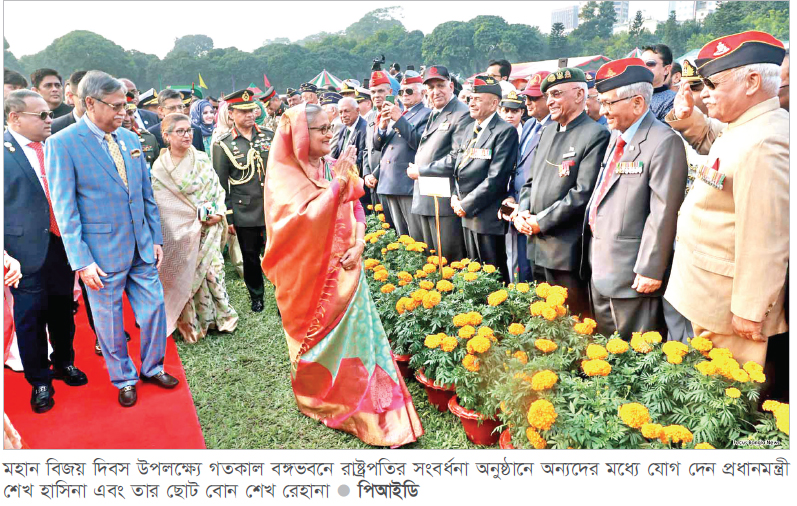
{"points": [[410, 67], [513, 100], [622, 72], [291, 92], [590, 77], [267, 95], [241, 99], [352, 83], [733, 51], [149, 97], [186, 96], [486, 84], [308, 87], [689, 72], [435, 72], [362, 94], [411, 77], [329, 97], [533, 86], [379, 77], [347, 89], [131, 101], [198, 93], [563, 75]]}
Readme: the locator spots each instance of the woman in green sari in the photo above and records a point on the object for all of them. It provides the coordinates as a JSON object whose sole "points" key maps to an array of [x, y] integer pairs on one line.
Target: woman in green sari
{"points": [[191, 203]]}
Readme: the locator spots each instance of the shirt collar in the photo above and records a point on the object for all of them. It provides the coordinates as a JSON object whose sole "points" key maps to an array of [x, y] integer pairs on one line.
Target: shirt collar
{"points": [[487, 120], [95, 129], [631, 131], [21, 139]]}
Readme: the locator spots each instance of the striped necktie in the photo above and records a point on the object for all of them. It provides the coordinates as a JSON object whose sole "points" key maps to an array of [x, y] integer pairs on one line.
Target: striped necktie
{"points": [[118, 160]]}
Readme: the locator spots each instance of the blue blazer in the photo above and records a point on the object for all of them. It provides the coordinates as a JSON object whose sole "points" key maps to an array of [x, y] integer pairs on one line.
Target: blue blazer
{"points": [[26, 222], [100, 220], [398, 147]]}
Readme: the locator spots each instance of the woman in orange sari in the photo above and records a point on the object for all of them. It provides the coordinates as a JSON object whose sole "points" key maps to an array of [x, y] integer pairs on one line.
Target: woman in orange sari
{"points": [[342, 371]]}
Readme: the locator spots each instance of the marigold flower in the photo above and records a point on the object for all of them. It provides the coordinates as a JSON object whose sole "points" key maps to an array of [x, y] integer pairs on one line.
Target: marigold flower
{"points": [[467, 332], [704, 446], [386, 225], [639, 344], [460, 320], [474, 318], [758, 377], [448, 272], [448, 343], [536, 308], [403, 283], [457, 265], [545, 345], [445, 285], [516, 329], [387, 288], [384, 250], [596, 367], [675, 359], [634, 414], [596, 352], [726, 367], [380, 268], [478, 344], [489, 269], [381, 217], [471, 362], [733, 393], [474, 267], [378, 208], [431, 299], [401, 305], [716, 353], [485, 331], [701, 344], [549, 313], [770, 405], [589, 322], [418, 295], [676, 434], [432, 341], [652, 337], [706, 368], [426, 285], [370, 263], [616, 346], [542, 290], [470, 276], [542, 414], [404, 276], [535, 439], [652, 430], [522, 287], [405, 239], [465, 261], [380, 275], [370, 207], [497, 297], [782, 418], [522, 356], [741, 376], [429, 268], [675, 348], [544, 380], [393, 246], [555, 299], [419, 274], [582, 328], [561, 310]]}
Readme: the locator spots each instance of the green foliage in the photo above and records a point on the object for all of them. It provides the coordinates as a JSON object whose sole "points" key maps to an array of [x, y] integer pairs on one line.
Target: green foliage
{"points": [[192, 45]]}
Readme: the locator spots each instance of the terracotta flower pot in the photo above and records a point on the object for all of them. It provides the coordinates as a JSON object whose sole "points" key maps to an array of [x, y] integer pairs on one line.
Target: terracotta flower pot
{"points": [[505, 441], [403, 362], [438, 394], [479, 428]]}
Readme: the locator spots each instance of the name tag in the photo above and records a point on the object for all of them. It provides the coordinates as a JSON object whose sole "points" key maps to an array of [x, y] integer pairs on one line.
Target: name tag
{"points": [[480, 154], [629, 168], [444, 126], [569, 154], [711, 175]]}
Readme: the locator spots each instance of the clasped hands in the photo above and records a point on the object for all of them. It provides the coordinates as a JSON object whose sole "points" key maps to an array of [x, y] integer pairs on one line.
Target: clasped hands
{"points": [[525, 222]]}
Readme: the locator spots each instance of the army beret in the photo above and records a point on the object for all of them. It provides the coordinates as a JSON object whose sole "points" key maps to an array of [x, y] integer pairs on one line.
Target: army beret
{"points": [[622, 72], [291, 92], [308, 88], [733, 51], [563, 75], [486, 84]]}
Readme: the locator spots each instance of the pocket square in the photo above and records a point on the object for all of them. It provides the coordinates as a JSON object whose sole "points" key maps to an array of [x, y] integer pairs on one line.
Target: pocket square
{"points": [[135, 153]]}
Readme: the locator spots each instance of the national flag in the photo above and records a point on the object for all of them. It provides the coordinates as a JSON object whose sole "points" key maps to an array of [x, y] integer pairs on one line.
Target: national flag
{"points": [[202, 82]]}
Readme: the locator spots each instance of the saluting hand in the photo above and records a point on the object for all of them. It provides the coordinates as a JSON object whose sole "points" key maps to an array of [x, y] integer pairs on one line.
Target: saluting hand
{"points": [[684, 101]]}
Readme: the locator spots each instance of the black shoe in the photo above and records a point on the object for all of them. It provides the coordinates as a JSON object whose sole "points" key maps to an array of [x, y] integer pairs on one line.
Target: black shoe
{"points": [[70, 375], [127, 335], [257, 306], [97, 349], [127, 396], [75, 307], [41, 399], [162, 379]]}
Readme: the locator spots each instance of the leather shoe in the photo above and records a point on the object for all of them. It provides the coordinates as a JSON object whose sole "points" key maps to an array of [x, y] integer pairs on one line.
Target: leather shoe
{"points": [[162, 379], [127, 396], [41, 399], [257, 306], [71, 375]]}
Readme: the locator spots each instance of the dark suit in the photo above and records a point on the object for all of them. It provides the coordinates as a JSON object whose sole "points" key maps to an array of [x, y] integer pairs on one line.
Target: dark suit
{"points": [[398, 146], [149, 118], [634, 229], [62, 110], [441, 139], [196, 141], [357, 139], [43, 298], [371, 158], [564, 170], [62, 122]]}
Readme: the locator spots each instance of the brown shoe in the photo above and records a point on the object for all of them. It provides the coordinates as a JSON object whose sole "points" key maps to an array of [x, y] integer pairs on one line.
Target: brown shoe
{"points": [[127, 396], [162, 379]]}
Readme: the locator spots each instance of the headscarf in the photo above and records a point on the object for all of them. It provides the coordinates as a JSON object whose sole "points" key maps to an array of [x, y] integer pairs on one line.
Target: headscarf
{"points": [[196, 117], [263, 114], [224, 122]]}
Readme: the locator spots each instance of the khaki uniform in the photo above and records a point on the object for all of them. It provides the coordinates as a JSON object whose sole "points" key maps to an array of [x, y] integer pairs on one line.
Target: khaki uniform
{"points": [[732, 238]]}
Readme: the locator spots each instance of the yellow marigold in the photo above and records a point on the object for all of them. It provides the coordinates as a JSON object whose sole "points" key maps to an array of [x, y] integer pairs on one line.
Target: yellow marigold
{"points": [[386, 225], [596, 352], [419, 274], [448, 343], [432, 341], [467, 332], [370, 263], [639, 344], [561, 310], [380, 268], [497, 297], [545, 345], [522, 356], [418, 295], [740, 375], [426, 285], [431, 299], [701, 344], [429, 268], [522, 287], [471, 362], [535, 439], [544, 380], [558, 289], [652, 337], [634, 414], [475, 318], [675, 348], [403, 283], [465, 261], [370, 207], [554, 299], [758, 377], [782, 418], [470, 276], [411, 304], [751, 367], [510, 286], [543, 289], [716, 353], [460, 320], [380, 233], [378, 208], [676, 434], [542, 414], [384, 250], [380, 275], [387, 288], [675, 359], [536, 308], [706, 368], [733, 393], [589, 322], [393, 246], [652, 430], [704, 446], [516, 329], [474, 267], [457, 265], [770, 405], [444, 285], [405, 239], [404, 276], [401, 305], [448, 272], [381, 217], [726, 366], [489, 269], [582, 328], [596, 367], [374, 240], [478, 344], [549, 313], [485, 331], [616, 346]]}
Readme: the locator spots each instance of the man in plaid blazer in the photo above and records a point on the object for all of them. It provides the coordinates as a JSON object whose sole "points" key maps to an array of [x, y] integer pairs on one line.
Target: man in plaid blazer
{"points": [[103, 203]]}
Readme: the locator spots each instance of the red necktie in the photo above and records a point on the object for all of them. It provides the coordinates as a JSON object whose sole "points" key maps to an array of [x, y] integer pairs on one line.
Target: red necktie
{"points": [[618, 153], [37, 147]]}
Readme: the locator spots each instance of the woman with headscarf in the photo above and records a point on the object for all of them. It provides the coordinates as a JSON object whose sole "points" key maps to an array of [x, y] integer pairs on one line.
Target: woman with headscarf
{"points": [[342, 371], [191, 203], [203, 117]]}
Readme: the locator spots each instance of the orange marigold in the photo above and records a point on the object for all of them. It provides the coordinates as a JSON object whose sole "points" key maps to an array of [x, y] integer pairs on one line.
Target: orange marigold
{"points": [[419, 294], [536, 308], [596, 367], [474, 318], [652, 337], [733, 393], [457, 265], [522, 287], [516, 329], [431, 299], [426, 285], [535, 439], [471, 362], [470, 276], [460, 320], [676, 434], [701, 344], [545, 345], [544, 380], [429, 268], [393, 246], [639, 344], [444, 285], [378, 208], [634, 415], [596, 352], [386, 225], [448, 272], [616, 346], [652, 430], [404, 276], [554, 299], [388, 288], [522, 356], [432, 341], [448, 343], [542, 414], [485, 331], [704, 446], [549, 313], [467, 332], [419, 274], [478, 344], [380, 275], [497, 297], [370, 263]]}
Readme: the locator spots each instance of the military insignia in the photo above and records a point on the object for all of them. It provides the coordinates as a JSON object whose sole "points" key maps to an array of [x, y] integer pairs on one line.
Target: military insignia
{"points": [[535, 79], [564, 168], [444, 126], [122, 143], [560, 75], [9, 146], [689, 70], [721, 49], [245, 96], [135, 153], [569, 154], [711, 175], [629, 168], [512, 95], [567, 74], [610, 73], [480, 154], [551, 78]]}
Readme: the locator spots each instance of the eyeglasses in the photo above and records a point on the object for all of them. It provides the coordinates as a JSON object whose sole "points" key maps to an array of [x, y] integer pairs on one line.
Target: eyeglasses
{"points": [[115, 107], [408, 92], [178, 107], [593, 97], [608, 105], [651, 63], [556, 94], [182, 132], [533, 99], [696, 86], [712, 85], [324, 129], [43, 115]]}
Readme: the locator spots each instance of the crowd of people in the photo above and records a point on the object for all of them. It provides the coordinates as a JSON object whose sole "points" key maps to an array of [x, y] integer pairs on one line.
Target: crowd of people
{"points": [[655, 193]]}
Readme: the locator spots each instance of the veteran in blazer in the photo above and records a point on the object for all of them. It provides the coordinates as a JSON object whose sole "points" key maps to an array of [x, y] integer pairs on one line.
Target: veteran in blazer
{"points": [[380, 89], [564, 170], [732, 242], [449, 123], [629, 226]]}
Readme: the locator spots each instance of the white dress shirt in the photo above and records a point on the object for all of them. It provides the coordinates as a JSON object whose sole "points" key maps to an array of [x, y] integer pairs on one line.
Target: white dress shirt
{"points": [[30, 154]]}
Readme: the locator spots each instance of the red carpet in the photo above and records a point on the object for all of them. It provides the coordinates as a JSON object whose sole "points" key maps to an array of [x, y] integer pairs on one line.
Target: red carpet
{"points": [[90, 416]]}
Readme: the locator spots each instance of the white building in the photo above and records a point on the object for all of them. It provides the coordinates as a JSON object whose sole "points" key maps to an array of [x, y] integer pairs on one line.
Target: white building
{"points": [[692, 11], [648, 23], [568, 16], [621, 9]]}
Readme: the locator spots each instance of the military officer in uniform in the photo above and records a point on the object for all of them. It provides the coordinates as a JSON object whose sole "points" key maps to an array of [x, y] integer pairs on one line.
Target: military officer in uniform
{"points": [[309, 93], [294, 97], [240, 158], [148, 101], [149, 145], [564, 170]]}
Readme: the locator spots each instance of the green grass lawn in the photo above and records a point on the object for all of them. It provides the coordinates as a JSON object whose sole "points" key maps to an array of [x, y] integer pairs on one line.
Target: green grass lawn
{"points": [[243, 396]]}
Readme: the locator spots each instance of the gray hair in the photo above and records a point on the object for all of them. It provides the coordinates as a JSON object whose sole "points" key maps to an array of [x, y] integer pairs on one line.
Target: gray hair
{"points": [[582, 86], [334, 106], [770, 76], [347, 100], [167, 94], [15, 102], [98, 84], [645, 90], [311, 111]]}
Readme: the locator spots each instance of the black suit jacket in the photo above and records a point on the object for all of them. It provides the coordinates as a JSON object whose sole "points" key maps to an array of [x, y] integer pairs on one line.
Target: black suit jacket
{"points": [[62, 122], [149, 118], [398, 147], [197, 141], [26, 220], [360, 131]]}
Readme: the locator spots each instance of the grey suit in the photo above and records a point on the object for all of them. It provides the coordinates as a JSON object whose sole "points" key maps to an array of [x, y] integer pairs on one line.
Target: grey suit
{"points": [[372, 156], [564, 170], [442, 138], [398, 146], [634, 229]]}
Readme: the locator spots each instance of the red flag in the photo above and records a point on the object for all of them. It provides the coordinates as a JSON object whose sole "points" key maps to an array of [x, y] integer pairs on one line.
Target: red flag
{"points": [[265, 81]]}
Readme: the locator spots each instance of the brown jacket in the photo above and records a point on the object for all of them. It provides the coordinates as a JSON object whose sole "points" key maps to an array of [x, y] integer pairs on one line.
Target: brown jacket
{"points": [[732, 243]]}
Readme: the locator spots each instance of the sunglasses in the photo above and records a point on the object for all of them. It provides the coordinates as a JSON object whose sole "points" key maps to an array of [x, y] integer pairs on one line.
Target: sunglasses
{"points": [[696, 86], [712, 85], [43, 115], [651, 63], [408, 92]]}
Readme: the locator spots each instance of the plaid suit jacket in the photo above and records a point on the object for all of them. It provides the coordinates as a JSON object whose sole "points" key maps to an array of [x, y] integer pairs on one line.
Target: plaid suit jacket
{"points": [[100, 220]]}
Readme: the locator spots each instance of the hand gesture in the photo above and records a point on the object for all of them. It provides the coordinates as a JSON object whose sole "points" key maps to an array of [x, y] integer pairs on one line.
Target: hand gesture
{"points": [[370, 181], [684, 102], [413, 172], [352, 256], [346, 165], [387, 107]]}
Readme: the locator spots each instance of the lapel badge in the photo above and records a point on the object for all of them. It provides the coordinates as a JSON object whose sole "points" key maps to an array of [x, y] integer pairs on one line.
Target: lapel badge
{"points": [[122, 143], [9, 146]]}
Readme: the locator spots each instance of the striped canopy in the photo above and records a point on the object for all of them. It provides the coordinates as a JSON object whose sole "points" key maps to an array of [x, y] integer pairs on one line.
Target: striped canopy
{"points": [[325, 79]]}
